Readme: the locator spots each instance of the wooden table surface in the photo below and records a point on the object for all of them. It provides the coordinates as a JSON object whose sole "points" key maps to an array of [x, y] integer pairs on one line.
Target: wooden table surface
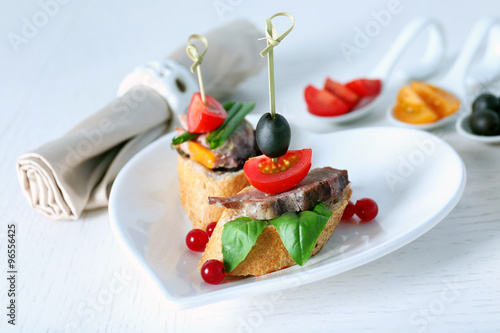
{"points": [[73, 277]]}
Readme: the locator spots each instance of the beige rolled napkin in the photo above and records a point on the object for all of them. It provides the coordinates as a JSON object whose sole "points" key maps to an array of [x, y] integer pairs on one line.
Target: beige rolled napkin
{"points": [[63, 178]]}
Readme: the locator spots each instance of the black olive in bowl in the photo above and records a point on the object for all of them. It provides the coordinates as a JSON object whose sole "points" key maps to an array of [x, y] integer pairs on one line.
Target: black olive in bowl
{"points": [[485, 122], [486, 101]]}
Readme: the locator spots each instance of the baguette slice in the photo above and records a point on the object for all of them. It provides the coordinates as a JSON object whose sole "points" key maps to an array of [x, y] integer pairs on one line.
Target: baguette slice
{"points": [[269, 254], [197, 183]]}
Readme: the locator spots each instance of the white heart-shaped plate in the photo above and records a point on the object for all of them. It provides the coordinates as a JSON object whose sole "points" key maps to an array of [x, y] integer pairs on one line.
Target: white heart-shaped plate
{"points": [[415, 177]]}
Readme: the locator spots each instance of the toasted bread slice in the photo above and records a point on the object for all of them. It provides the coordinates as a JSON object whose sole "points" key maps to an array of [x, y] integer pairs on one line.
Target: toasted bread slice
{"points": [[197, 183], [269, 254]]}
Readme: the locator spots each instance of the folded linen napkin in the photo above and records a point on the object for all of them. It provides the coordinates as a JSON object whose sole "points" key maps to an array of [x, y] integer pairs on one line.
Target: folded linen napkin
{"points": [[63, 178]]}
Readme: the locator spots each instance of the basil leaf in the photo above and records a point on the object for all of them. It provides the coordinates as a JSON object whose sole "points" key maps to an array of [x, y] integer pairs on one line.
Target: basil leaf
{"points": [[238, 238], [299, 232]]}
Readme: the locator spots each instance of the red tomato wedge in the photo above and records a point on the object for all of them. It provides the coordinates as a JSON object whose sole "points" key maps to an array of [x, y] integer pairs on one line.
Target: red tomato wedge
{"points": [[270, 177], [365, 87], [323, 103], [203, 118], [341, 91]]}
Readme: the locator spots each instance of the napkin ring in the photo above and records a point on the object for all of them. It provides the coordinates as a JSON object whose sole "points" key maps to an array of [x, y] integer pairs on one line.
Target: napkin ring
{"points": [[168, 78]]}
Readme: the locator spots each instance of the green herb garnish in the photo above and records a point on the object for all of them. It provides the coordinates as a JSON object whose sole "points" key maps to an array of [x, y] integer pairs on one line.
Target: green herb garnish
{"points": [[232, 121], [231, 111], [298, 232], [186, 136], [238, 237], [236, 112], [228, 105]]}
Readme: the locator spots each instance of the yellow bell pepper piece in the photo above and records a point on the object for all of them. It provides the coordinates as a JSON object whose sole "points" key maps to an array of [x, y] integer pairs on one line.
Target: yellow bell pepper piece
{"points": [[201, 154]]}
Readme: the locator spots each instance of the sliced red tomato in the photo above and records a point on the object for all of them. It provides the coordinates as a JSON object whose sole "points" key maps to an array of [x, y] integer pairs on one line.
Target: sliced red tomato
{"points": [[365, 87], [323, 103], [341, 91], [203, 118], [281, 176]]}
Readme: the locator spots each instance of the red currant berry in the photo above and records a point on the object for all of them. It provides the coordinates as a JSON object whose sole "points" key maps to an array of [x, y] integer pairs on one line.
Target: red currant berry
{"points": [[348, 211], [196, 240], [366, 209], [210, 228], [213, 271]]}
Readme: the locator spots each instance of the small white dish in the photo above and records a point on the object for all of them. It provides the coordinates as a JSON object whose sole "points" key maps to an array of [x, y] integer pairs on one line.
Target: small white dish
{"points": [[415, 178], [428, 64], [463, 128]]}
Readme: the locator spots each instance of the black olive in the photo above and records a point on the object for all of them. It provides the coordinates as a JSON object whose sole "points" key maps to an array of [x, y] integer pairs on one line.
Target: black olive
{"points": [[273, 135], [485, 122], [486, 101]]}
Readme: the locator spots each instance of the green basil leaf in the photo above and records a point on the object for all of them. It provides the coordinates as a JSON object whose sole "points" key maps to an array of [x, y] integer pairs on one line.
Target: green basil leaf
{"points": [[238, 238], [299, 231]]}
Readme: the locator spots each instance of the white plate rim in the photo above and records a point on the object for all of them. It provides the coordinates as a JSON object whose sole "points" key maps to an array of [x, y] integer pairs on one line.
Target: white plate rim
{"points": [[313, 274]]}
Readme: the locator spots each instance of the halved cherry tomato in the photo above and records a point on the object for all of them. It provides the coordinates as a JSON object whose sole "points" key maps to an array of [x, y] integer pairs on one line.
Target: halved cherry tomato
{"points": [[323, 103], [270, 177], [341, 91], [365, 87], [203, 118]]}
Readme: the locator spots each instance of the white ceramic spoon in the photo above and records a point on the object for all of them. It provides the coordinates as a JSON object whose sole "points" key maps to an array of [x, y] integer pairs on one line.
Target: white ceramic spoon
{"points": [[428, 64], [486, 73], [454, 80]]}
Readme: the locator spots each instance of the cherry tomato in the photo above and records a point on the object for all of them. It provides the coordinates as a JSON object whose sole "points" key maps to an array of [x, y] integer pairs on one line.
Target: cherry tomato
{"points": [[365, 87], [341, 91], [203, 118], [270, 177], [323, 103], [212, 271]]}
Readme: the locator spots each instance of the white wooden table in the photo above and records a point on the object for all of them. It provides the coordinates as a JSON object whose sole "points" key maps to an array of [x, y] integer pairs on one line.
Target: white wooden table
{"points": [[73, 277]]}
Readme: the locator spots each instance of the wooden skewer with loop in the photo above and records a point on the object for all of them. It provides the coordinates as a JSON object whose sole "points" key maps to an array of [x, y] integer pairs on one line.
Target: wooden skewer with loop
{"points": [[273, 39], [194, 55]]}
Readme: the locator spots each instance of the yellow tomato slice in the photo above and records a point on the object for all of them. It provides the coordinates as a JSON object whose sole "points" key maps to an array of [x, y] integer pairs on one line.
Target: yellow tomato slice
{"points": [[440, 101], [410, 108]]}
